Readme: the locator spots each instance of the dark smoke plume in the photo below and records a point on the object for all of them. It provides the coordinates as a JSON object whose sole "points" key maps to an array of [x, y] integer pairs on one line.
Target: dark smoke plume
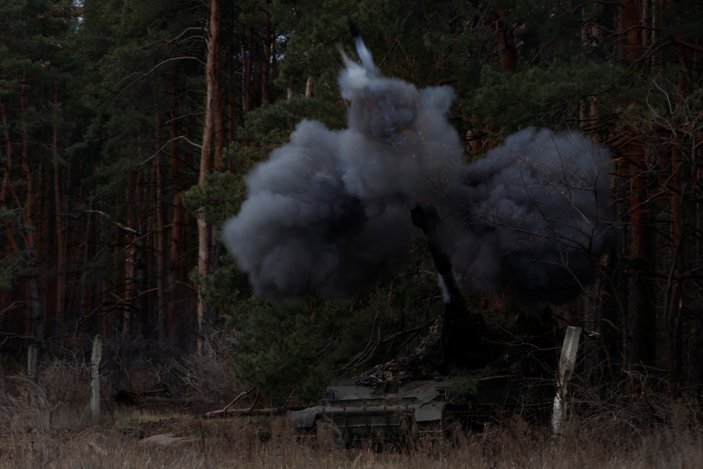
{"points": [[532, 216], [329, 212]]}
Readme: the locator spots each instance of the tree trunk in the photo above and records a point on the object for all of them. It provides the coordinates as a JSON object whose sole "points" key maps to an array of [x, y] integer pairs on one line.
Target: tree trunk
{"points": [[160, 244], [233, 91], [5, 189], [640, 336], [204, 232], [175, 260], [176, 248], [266, 60], [218, 125], [10, 246], [641, 323], [248, 75], [695, 217], [630, 27], [34, 323], [673, 295], [656, 60], [130, 261], [505, 41], [58, 220]]}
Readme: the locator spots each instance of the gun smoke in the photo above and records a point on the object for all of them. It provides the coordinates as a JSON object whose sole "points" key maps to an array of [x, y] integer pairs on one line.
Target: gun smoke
{"points": [[329, 212]]}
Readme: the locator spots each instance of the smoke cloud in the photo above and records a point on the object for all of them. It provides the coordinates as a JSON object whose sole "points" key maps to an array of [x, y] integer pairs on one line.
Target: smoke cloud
{"points": [[532, 216], [329, 212]]}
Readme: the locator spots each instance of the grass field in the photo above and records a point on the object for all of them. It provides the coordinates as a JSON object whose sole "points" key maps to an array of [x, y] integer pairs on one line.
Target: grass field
{"points": [[50, 426], [138, 439]]}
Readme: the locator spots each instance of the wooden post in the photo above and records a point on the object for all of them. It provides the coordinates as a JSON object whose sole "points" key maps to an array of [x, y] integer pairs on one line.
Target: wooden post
{"points": [[32, 358], [309, 87], [567, 363], [95, 373]]}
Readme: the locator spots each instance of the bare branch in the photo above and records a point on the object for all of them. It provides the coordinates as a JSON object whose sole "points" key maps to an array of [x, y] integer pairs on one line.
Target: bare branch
{"points": [[118, 224], [11, 307], [161, 148], [223, 412]]}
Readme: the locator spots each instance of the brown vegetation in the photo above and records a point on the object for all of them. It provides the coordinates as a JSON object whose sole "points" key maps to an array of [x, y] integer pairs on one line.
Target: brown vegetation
{"points": [[48, 425]]}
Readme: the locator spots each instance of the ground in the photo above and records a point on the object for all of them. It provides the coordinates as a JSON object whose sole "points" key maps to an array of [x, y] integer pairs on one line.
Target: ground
{"points": [[39, 434], [48, 423]]}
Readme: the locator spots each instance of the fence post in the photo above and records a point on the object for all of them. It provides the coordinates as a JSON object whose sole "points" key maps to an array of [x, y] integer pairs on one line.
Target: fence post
{"points": [[96, 356], [567, 363], [32, 358]]}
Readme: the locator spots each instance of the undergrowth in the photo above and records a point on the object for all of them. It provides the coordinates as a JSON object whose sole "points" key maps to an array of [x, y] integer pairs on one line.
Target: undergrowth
{"points": [[47, 424]]}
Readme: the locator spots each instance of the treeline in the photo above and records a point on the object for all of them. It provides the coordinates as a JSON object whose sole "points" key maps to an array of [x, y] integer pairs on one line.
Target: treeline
{"points": [[127, 128], [103, 130]]}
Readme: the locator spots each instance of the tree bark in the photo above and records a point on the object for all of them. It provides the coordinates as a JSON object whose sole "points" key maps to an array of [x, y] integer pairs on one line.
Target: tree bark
{"points": [[233, 69], [160, 244], [630, 27], [58, 220], [673, 289], [130, 261], [218, 125], [505, 41], [266, 60], [5, 188], [655, 12], [34, 322], [248, 75], [10, 246], [176, 248], [674, 295], [641, 321], [206, 164]]}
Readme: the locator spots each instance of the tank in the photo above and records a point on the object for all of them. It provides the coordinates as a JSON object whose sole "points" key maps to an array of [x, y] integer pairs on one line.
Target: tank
{"points": [[485, 377], [417, 410]]}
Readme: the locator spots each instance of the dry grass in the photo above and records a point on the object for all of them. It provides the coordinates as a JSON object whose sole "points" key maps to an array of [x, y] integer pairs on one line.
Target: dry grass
{"points": [[237, 443], [210, 376], [42, 427]]}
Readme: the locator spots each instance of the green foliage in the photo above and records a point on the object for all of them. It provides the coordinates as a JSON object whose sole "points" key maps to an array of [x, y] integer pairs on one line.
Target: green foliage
{"points": [[220, 198], [270, 126], [682, 18], [405, 38], [265, 129], [135, 63], [12, 265], [279, 347], [273, 123], [544, 96], [300, 346], [120, 75]]}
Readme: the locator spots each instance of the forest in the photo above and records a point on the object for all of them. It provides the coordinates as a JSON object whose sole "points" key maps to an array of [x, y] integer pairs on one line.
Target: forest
{"points": [[127, 129]]}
